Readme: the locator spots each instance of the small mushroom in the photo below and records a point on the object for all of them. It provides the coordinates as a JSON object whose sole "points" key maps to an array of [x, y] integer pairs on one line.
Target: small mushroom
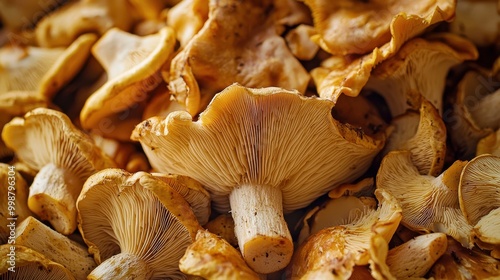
{"points": [[13, 198], [25, 68], [247, 151], [430, 204], [136, 226], [223, 226], [212, 257], [489, 144], [19, 262], [47, 141], [187, 18], [133, 67], [55, 246], [335, 250], [300, 44]]}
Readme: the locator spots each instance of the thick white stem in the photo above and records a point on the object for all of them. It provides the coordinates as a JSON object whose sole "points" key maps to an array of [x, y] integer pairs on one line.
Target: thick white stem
{"points": [[124, 266], [263, 236], [53, 196]]}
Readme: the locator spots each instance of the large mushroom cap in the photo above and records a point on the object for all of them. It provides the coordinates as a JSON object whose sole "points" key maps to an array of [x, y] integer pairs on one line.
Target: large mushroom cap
{"points": [[265, 150], [134, 224], [47, 141]]}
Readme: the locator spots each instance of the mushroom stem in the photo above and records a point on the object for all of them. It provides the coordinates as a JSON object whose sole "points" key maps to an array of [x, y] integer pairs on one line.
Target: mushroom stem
{"points": [[263, 236], [53, 195], [123, 266]]}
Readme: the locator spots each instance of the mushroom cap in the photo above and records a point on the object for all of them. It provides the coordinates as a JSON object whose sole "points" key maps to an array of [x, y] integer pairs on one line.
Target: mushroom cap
{"points": [[337, 249], [252, 136], [30, 264], [238, 43], [489, 144], [63, 26], [488, 227], [479, 190], [42, 69], [212, 257], [187, 18], [223, 226], [300, 43], [137, 214], [132, 64], [370, 24], [430, 204]]}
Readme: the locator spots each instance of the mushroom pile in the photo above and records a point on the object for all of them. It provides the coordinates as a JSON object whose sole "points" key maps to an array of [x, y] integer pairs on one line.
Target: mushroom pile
{"points": [[259, 139]]}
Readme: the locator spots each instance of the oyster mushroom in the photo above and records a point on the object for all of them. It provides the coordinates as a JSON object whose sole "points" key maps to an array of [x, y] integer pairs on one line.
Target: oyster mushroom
{"points": [[55, 246], [430, 204], [29, 264], [136, 226], [47, 141], [236, 150]]}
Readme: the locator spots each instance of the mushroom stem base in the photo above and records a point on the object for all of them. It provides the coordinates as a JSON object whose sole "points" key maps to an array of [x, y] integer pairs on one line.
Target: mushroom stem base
{"points": [[263, 236], [124, 266]]}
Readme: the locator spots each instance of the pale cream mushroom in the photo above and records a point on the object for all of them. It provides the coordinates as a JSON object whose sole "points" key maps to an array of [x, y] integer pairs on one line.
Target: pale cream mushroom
{"points": [[136, 226], [238, 43], [430, 204], [345, 27], [423, 134], [55, 246], [223, 226], [415, 257], [489, 144], [47, 141], [29, 264], [63, 26], [212, 257], [247, 151], [26, 68], [133, 67], [13, 198], [419, 68], [334, 251], [192, 191]]}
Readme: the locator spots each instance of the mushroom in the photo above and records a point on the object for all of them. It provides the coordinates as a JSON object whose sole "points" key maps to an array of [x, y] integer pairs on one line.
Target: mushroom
{"points": [[47, 141], [415, 257], [19, 262], [132, 64], [223, 226], [55, 246], [25, 68], [192, 191], [63, 26], [212, 257], [371, 24], [489, 144], [13, 206], [430, 204], [238, 43], [423, 134], [335, 250], [187, 18], [125, 155], [245, 150], [136, 226], [299, 42]]}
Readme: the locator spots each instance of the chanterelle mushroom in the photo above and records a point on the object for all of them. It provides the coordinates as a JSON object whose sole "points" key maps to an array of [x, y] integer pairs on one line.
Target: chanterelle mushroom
{"points": [[259, 152], [47, 141], [136, 225]]}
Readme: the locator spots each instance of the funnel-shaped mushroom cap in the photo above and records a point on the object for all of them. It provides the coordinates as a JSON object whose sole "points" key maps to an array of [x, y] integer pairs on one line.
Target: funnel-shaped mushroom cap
{"points": [[429, 203], [369, 24], [55, 246], [415, 257], [480, 187], [13, 197], [136, 225], [187, 18], [47, 141], [247, 150], [337, 249], [211, 257], [63, 26], [132, 64], [42, 69], [238, 43], [192, 191], [424, 135], [489, 144], [461, 263], [29, 264]]}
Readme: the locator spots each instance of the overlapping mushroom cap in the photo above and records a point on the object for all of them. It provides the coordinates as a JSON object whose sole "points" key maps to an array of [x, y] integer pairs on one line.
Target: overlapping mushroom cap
{"points": [[136, 226], [247, 150]]}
